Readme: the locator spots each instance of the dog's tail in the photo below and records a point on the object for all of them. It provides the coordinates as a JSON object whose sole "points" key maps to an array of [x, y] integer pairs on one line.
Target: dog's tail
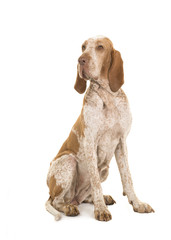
{"points": [[52, 210]]}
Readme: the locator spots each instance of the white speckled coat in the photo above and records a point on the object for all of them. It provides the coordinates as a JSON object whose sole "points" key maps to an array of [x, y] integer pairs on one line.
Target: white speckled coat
{"points": [[76, 173]]}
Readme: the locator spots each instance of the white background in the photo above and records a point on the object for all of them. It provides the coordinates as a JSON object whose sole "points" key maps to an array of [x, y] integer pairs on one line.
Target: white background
{"points": [[40, 42]]}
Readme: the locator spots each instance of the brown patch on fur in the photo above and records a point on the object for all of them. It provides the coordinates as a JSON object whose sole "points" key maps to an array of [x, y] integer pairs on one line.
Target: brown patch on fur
{"points": [[79, 126], [71, 145], [54, 190], [116, 73]]}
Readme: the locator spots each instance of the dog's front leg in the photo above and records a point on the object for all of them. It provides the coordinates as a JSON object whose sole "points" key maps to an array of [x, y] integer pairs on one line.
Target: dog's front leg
{"points": [[122, 162], [100, 210]]}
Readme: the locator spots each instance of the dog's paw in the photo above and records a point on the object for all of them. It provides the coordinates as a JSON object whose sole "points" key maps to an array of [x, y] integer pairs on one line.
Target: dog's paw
{"points": [[141, 207], [71, 210], [109, 200], [102, 214]]}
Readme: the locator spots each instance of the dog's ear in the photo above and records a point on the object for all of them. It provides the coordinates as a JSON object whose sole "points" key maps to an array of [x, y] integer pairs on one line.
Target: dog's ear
{"points": [[80, 84], [116, 73]]}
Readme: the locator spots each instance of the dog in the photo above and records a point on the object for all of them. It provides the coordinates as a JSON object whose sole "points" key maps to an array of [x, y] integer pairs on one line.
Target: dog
{"points": [[82, 163]]}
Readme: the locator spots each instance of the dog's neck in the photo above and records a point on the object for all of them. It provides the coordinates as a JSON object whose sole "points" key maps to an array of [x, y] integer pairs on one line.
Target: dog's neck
{"points": [[102, 85], [102, 89]]}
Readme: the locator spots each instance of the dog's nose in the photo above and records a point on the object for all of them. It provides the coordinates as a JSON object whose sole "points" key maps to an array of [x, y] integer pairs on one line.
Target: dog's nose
{"points": [[82, 60]]}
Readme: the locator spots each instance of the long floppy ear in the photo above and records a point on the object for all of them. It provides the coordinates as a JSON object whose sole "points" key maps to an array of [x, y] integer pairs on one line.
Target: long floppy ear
{"points": [[80, 84], [116, 73]]}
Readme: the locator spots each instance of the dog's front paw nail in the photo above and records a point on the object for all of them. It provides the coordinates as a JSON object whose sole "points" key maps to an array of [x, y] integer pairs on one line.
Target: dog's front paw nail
{"points": [[142, 207], [102, 215]]}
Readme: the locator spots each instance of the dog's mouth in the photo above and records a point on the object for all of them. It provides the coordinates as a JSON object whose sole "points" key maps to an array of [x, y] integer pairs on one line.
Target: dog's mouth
{"points": [[84, 73]]}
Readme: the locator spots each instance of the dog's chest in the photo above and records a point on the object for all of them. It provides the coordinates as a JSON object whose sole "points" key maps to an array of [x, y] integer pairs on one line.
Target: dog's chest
{"points": [[104, 112], [115, 124], [107, 119], [115, 116]]}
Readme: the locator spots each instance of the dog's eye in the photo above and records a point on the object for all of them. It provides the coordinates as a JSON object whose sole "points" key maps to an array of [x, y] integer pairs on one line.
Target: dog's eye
{"points": [[100, 47], [83, 47]]}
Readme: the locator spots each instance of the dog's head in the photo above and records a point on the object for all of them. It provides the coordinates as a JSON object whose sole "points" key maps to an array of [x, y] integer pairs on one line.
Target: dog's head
{"points": [[99, 62]]}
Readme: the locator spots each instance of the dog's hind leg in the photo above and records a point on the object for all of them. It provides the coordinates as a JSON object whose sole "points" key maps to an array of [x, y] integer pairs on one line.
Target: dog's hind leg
{"points": [[62, 181]]}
